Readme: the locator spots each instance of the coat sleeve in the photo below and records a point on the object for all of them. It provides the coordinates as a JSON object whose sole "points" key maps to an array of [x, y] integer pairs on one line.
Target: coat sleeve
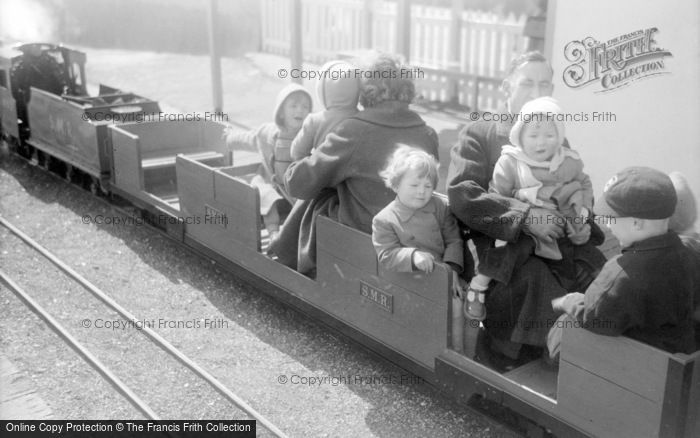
{"points": [[610, 306], [325, 167], [586, 189], [392, 256], [236, 137], [454, 245], [499, 217], [504, 177], [303, 143]]}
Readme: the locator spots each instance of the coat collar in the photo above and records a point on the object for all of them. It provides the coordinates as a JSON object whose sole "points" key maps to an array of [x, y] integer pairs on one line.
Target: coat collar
{"points": [[504, 123], [666, 240], [391, 113], [405, 213], [559, 156]]}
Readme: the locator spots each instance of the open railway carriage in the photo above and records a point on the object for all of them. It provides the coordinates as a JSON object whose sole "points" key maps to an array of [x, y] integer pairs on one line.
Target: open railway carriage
{"points": [[144, 156]]}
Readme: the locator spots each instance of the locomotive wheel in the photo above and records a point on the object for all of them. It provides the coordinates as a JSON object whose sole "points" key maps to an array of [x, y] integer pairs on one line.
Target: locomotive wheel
{"points": [[70, 173], [45, 161], [23, 150], [37, 157], [11, 145], [95, 186]]}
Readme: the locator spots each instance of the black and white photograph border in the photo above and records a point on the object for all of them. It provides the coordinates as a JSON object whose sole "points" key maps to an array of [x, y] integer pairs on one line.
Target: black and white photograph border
{"points": [[142, 286]]}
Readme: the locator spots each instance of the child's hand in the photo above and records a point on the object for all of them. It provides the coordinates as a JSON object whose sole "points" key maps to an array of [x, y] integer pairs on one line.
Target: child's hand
{"points": [[569, 303], [580, 237], [457, 285], [424, 261], [585, 214], [228, 133]]}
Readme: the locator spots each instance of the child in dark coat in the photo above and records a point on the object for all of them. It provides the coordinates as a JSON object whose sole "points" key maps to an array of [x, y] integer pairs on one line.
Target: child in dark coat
{"points": [[646, 292]]}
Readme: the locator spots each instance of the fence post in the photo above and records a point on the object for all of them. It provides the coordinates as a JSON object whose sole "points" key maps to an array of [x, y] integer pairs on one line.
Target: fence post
{"points": [[455, 50], [403, 28], [367, 24], [215, 59], [295, 49]]}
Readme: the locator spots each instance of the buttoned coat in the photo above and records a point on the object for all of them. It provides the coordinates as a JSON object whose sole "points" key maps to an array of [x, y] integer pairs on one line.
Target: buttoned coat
{"points": [[348, 163], [398, 231]]}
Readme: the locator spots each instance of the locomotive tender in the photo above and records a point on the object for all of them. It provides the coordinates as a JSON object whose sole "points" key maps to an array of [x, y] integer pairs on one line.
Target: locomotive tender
{"points": [[183, 177]]}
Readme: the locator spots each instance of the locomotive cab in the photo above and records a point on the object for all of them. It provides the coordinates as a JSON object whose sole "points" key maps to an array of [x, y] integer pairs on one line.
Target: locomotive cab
{"points": [[53, 68], [50, 67], [8, 108]]}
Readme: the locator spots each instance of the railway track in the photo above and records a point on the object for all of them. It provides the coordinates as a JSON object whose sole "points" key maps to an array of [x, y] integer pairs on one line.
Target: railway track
{"points": [[123, 389]]}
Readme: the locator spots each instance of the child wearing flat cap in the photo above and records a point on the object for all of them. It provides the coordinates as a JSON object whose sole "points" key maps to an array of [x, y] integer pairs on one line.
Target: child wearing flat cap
{"points": [[646, 292]]}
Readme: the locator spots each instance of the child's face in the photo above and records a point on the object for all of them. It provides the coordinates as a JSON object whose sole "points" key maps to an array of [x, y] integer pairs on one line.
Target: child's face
{"points": [[295, 109], [414, 191], [540, 140]]}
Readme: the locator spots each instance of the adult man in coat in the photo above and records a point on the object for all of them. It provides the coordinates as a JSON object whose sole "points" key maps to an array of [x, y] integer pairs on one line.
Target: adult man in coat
{"points": [[519, 311]]}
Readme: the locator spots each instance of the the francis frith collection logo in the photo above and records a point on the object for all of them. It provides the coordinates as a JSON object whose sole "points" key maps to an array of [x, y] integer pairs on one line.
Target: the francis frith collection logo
{"points": [[614, 63]]}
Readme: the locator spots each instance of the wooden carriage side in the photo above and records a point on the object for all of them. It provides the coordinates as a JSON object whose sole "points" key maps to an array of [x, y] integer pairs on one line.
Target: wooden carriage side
{"points": [[227, 207], [618, 387], [144, 156], [407, 311]]}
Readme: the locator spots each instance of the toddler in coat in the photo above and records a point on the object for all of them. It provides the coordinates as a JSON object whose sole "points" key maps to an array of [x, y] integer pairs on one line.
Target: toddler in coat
{"points": [[416, 229], [273, 141], [537, 169]]}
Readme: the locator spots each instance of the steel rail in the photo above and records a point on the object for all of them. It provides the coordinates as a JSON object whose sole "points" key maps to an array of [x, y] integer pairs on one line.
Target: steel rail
{"points": [[163, 343], [105, 372]]}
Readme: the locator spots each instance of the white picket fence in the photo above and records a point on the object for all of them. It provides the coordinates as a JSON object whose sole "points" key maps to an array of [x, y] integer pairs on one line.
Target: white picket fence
{"points": [[487, 42]]}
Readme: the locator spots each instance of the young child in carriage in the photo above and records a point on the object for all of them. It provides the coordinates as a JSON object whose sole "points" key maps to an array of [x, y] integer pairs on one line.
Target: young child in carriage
{"points": [[416, 229], [537, 169], [338, 90], [273, 142]]}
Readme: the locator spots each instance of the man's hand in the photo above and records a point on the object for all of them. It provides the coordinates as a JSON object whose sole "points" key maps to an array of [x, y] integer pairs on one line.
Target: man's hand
{"points": [[458, 285], [541, 224]]}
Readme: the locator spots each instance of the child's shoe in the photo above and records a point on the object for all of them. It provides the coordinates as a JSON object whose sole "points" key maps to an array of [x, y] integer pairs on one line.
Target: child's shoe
{"points": [[474, 305]]}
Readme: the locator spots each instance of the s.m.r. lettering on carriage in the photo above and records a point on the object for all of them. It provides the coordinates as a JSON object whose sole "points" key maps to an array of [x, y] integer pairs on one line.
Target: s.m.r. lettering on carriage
{"points": [[377, 296], [214, 216]]}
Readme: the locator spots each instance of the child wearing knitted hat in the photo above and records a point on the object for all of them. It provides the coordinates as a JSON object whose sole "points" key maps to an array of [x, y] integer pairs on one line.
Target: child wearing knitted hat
{"points": [[537, 169], [646, 292]]}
